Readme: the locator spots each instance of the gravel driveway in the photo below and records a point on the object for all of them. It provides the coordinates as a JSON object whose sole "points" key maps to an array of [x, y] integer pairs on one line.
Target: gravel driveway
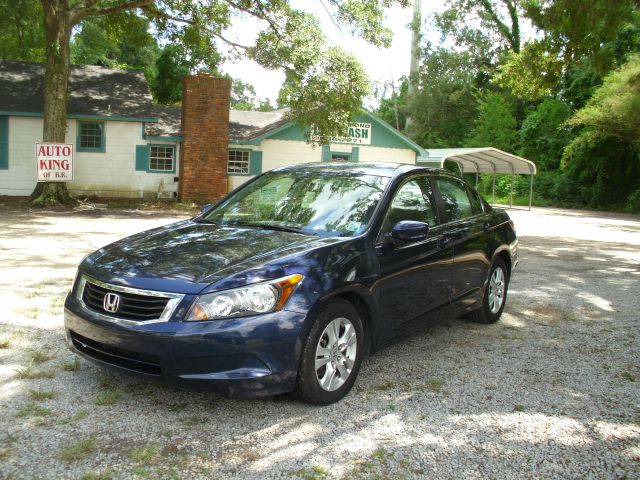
{"points": [[552, 390]]}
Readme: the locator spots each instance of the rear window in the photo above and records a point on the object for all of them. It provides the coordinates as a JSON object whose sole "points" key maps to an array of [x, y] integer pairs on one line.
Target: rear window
{"points": [[455, 199]]}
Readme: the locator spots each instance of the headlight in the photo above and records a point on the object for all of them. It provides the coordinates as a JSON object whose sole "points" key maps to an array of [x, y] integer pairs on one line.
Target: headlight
{"points": [[258, 298]]}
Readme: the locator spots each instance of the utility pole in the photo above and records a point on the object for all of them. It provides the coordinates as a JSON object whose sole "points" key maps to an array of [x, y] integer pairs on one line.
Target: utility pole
{"points": [[414, 68]]}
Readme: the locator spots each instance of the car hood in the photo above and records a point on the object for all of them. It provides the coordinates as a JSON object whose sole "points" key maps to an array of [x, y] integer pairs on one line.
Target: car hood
{"points": [[186, 257]]}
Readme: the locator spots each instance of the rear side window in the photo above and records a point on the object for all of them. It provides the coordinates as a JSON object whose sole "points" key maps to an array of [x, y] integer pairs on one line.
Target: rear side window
{"points": [[476, 202], [455, 199]]}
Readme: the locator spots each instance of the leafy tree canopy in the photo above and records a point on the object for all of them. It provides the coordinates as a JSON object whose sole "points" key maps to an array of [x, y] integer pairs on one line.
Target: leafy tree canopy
{"points": [[614, 109], [496, 124]]}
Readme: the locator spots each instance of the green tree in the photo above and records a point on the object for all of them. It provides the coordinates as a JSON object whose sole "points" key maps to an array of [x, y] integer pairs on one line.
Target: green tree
{"points": [[608, 144], [544, 135], [393, 109], [444, 105], [21, 33], [120, 40], [482, 25], [600, 35], [325, 86], [495, 125]]}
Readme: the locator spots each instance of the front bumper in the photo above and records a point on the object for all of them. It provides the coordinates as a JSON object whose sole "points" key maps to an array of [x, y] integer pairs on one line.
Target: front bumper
{"points": [[240, 357]]}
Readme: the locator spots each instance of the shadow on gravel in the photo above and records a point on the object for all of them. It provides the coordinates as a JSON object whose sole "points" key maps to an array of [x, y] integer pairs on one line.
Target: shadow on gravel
{"points": [[547, 391]]}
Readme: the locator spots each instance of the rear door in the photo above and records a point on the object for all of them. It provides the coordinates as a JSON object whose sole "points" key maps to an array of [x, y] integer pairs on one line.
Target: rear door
{"points": [[415, 278], [465, 230]]}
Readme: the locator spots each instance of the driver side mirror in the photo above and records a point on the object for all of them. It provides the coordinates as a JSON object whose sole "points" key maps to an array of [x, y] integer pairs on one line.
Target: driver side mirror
{"points": [[410, 231], [206, 207]]}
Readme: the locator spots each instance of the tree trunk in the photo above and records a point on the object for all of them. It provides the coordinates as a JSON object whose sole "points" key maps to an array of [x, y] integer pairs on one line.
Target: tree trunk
{"points": [[56, 78]]}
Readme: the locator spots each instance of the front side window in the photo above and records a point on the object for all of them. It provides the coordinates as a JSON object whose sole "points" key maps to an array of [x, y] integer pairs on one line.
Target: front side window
{"points": [[412, 201], [91, 137], [326, 203], [454, 198], [161, 158], [238, 162]]}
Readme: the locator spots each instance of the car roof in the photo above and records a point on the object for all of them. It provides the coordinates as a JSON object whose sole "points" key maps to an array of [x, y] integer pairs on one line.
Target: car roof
{"points": [[361, 168]]}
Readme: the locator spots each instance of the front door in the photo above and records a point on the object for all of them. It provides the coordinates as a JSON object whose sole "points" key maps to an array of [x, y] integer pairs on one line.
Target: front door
{"points": [[415, 277]]}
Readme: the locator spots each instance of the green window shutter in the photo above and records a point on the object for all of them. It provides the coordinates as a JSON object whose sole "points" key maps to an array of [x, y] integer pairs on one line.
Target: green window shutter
{"points": [[255, 162], [326, 153], [355, 154], [4, 143], [142, 158]]}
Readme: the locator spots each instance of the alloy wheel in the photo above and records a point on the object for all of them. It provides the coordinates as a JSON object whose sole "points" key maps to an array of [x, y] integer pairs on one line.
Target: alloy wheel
{"points": [[336, 354], [496, 290]]}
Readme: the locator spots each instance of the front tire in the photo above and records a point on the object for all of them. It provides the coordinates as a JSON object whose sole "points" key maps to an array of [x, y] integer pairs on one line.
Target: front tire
{"points": [[332, 354], [495, 294]]}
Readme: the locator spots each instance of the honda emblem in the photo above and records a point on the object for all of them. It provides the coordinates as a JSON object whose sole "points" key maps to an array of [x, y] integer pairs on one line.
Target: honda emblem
{"points": [[111, 302]]}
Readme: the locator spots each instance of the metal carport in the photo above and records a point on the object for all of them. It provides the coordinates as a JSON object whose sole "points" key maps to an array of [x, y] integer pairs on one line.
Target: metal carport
{"points": [[482, 160]]}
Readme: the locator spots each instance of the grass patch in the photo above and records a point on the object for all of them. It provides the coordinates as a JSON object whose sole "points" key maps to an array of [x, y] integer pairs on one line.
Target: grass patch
{"points": [[78, 450], [435, 384], [96, 476], [194, 420], [78, 416], [628, 376], [29, 312], [383, 387], [71, 365], [42, 394], [107, 381], [519, 408], [144, 455], [29, 294], [39, 356], [110, 397], [177, 407], [31, 372], [5, 342], [313, 473], [33, 410], [143, 472], [57, 302]]}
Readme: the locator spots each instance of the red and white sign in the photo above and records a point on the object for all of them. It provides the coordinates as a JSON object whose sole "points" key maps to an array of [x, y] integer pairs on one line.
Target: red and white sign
{"points": [[54, 162]]}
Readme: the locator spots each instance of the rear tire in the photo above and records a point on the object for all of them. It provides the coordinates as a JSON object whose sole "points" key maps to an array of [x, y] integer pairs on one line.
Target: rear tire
{"points": [[495, 294], [332, 354]]}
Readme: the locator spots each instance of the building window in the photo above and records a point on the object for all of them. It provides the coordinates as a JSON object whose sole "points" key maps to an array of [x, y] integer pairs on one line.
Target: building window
{"points": [[238, 163], [340, 157], [90, 137], [161, 158]]}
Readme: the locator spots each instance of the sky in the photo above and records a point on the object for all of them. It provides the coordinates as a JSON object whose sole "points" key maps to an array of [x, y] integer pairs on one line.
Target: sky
{"points": [[382, 65]]}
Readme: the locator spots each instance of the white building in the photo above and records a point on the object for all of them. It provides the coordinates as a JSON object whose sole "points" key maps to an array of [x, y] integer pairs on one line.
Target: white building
{"points": [[126, 146]]}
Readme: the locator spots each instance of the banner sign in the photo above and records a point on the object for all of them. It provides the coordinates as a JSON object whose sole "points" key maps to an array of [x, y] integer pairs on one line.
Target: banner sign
{"points": [[358, 133], [54, 162]]}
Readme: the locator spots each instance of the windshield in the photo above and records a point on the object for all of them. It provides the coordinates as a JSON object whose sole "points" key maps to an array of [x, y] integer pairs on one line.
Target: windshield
{"points": [[311, 202]]}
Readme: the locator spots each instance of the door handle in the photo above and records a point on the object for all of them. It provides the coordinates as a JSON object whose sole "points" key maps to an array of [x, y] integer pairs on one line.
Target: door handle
{"points": [[443, 241]]}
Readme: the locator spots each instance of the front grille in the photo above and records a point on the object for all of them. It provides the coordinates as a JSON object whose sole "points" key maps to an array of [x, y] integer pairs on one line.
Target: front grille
{"points": [[138, 362], [131, 306]]}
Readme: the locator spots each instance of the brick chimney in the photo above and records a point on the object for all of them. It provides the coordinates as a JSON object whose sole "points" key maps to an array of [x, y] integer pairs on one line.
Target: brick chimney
{"points": [[205, 138]]}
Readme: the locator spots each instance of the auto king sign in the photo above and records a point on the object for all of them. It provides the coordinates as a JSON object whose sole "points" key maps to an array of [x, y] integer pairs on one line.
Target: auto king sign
{"points": [[54, 162], [357, 133]]}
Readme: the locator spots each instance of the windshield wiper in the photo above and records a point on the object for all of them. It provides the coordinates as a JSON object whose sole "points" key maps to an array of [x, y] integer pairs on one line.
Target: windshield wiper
{"points": [[280, 228]]}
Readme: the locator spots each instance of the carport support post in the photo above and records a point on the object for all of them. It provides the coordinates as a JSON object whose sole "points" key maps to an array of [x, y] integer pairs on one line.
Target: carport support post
{"points": [[493, 188], [511, 189], [530, 188]]}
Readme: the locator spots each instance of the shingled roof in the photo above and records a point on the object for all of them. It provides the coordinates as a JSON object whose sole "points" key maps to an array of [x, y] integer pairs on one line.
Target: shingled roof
{"points": [[108, 92], [93, 90], [243, 125]]}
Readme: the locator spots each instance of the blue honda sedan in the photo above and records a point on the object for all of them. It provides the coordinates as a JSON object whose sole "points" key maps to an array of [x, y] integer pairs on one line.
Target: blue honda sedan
{"points": [[286, 283]]}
